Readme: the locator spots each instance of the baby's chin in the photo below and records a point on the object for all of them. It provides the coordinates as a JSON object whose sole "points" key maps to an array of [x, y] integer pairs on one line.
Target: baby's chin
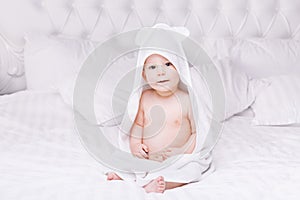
{"points": [[160, 88], [163, 89]]}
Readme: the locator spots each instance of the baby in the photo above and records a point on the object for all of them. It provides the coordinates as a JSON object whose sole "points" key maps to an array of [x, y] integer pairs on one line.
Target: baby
{"points": [[164, 124]]}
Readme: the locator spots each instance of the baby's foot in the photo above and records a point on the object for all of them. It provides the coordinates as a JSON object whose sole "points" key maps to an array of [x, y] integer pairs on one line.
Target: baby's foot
{"points": [[157, 185], [112, 176]]}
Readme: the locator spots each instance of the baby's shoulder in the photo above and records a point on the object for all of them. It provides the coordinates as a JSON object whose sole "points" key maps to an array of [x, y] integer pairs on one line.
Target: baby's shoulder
{"points": [[146, 95], [183, 95]]}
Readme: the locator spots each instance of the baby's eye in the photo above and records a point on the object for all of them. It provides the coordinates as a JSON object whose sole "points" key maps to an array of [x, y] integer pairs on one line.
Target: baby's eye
{"points": [[168, 64], [152, 67]]}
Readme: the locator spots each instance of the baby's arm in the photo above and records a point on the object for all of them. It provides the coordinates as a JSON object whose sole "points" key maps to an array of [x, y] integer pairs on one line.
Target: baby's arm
{"points": [[191, 143], [136, 135], [136, 146]]}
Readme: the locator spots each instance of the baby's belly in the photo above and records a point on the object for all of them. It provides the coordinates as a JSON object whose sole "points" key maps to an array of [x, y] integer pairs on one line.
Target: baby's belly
{"points": [[169, 136]]}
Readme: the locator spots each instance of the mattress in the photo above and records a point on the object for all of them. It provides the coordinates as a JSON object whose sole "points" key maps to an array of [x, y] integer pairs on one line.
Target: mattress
{"points": [[41, 157]]}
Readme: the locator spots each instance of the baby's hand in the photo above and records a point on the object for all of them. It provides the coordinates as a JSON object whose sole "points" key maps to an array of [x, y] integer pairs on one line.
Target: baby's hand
{"points": [[166, 153], [141, 151], [158, 156], [172, 151]]}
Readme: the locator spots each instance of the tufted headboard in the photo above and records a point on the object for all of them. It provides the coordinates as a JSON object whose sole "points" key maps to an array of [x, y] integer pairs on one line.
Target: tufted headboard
{"points": [[98, 20]]}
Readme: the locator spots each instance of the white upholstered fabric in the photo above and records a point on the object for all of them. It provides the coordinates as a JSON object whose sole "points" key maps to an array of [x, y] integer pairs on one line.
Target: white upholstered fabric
{"points": [[98, 20]]}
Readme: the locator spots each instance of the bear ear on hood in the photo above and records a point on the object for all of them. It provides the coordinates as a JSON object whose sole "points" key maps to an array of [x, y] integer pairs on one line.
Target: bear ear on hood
{"points": [[158, 32]]}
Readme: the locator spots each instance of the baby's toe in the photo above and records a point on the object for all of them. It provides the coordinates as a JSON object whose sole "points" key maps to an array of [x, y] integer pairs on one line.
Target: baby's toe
{"points": [[161, 182], [160, 189], [110, 176], [160, 178]]}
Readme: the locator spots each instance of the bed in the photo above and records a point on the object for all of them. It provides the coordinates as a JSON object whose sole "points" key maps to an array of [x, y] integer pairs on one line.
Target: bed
{"points": [[42, 156]]}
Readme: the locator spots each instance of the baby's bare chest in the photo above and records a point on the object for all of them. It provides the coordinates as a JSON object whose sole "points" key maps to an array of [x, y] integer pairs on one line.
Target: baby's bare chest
{"points": [[161, 113], [166, 125]]}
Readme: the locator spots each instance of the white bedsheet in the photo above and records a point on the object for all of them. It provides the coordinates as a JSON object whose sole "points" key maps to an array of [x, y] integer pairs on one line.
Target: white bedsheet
{"points": [[41, 157]]}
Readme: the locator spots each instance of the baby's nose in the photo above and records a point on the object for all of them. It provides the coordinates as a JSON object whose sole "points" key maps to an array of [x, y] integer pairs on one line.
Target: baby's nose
{"points": [[161, 70]]}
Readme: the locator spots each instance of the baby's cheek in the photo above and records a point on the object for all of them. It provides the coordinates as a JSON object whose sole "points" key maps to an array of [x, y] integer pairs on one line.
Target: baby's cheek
{"points": [[151, 78]]}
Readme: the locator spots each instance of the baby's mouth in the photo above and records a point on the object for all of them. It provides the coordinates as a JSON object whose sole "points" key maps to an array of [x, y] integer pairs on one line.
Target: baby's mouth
{"points": [[162, 81]]}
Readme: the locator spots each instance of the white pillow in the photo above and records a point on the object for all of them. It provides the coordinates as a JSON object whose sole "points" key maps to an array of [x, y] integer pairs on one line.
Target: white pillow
{"points": [[111, 90], [279, 103], [240, 90], [114, 88], [49, 59], [11, 68], [262, 58]]}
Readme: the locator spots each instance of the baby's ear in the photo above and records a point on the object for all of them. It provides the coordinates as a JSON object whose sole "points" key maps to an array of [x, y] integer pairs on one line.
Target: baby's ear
{"points": [[144, 75]]}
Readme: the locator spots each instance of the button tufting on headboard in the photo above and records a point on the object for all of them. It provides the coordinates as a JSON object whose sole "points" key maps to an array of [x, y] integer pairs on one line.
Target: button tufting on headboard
{"points": [[98, 20], [215, 18]]}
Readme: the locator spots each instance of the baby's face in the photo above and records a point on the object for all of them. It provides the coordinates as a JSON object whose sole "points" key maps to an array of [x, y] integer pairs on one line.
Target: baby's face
{"points": [[160, 73]]}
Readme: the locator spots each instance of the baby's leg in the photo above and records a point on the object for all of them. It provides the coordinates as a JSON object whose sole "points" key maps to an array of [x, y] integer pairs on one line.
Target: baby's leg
{"points": [[113, 176], [171, 185]]}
